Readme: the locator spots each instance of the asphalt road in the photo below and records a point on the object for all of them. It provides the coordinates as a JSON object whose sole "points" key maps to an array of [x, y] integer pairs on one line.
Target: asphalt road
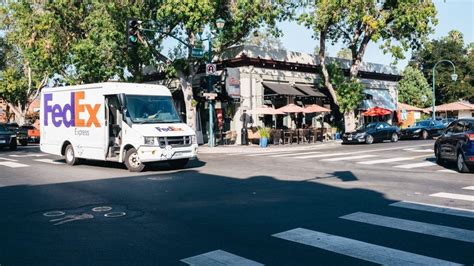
{"points": [[327, 205]]}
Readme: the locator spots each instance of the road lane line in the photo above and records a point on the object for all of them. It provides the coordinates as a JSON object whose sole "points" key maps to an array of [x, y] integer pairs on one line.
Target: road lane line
{"points": [[415, 165], [434, 208], [469, 188], [358, 249], [7, 159], [397, 159], [453, 196], [346, 158], [268, 153], [412, 226], [320, 155], [219, 257], [415, 150], [50, 161], [13, 164], [448, 171], [293, 154], [29, 155]]}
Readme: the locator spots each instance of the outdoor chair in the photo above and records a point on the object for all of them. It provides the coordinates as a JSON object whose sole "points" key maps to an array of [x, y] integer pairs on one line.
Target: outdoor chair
{"points": [[288, 136]]}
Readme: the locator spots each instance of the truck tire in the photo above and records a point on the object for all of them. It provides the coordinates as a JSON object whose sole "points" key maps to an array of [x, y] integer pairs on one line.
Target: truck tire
{"points": [[132, 161], [178, 164], [70, 156]]}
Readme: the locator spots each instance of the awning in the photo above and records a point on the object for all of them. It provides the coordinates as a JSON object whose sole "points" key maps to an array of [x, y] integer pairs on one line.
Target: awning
{"points": [[281, 89], [376, 111], [310, 90], [378, 98]]}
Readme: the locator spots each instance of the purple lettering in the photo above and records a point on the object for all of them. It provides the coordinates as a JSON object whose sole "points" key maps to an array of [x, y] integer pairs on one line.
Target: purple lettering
{"points": [[57, 115], [69, 108], [47, 108]]}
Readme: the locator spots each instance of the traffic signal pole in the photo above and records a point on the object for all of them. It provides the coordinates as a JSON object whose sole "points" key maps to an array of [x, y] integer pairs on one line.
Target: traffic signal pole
{"points": [[211, 141]]}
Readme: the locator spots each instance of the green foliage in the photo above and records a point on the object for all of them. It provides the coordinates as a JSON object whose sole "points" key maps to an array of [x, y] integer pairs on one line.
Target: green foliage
{"points": [[264, 39], [451, 47], [412, 87], [344, 53], [349, 92], [264, 132]]}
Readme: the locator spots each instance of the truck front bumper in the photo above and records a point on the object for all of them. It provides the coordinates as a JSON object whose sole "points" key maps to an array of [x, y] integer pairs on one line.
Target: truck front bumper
{"points": [[155, 153]]}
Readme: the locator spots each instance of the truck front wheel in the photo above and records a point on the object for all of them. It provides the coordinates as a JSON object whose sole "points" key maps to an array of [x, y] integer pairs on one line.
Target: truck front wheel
{"points": [[178, 164], [132, 161], [70, 156]]}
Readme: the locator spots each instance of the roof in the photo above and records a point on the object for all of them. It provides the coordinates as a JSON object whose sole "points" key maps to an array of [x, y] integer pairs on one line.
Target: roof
{"points": [[408, 107], [116, 88], [456, 106]]}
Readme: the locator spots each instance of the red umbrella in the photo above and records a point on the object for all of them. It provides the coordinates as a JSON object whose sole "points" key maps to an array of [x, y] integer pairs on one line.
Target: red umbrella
{"points": [[291, 108], [314, 108], [265, 110], [377, 111]]}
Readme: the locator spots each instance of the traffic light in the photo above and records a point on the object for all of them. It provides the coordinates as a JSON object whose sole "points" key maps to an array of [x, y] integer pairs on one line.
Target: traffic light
{"points": [[133, 32]]}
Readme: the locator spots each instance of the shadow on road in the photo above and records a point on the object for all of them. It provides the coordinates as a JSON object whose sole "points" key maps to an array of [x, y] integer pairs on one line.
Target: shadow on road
{"points": [[171, 216]]}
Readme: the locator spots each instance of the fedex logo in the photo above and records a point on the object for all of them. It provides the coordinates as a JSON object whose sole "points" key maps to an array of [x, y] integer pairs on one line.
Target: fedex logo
{"points": [[166, 129], [69, 114]]}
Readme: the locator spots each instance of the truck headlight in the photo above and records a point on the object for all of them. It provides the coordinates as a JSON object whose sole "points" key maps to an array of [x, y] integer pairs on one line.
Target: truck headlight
{"points": [[150, 141], [193, 139]]}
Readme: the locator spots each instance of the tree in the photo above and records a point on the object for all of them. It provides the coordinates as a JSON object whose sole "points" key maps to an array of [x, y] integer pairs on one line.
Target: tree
{"points": [[413, 87], [75, 41], [450, 47], [399, 24], [184, 19], [344, 53], [264, 39]]}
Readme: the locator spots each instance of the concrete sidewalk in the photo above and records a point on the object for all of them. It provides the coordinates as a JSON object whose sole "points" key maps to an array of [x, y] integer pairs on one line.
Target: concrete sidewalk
{"points": [[204, 149]]}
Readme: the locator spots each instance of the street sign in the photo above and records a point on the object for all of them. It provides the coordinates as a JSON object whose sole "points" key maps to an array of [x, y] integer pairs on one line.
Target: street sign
{"points": [[197, 52], [211, 69], [210, 95]]}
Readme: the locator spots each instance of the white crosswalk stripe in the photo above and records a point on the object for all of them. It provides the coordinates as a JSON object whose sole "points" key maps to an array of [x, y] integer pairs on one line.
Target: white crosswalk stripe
{"points": [[358, 249], [294, 154], [8, 159], [434, 208], [50, 161], [219, 257], [417, 150], [449, 171], [412, 226], [13, 164], [347, 158], [390, 160], [469, 188], [320, 155], [453, 196], [29, 155], [416, 165]]}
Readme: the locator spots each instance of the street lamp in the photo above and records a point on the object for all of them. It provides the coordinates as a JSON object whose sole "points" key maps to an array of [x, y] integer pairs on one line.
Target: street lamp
{"points": [[220, 23], [454, 77]]}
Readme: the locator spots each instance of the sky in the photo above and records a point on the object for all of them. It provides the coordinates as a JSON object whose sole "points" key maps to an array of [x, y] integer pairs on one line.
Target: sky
{"points": [[452, 14]]}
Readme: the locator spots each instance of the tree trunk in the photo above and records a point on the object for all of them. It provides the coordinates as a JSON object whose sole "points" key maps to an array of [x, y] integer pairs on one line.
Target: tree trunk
{"points": [[322, 62], [349, 121], [20, 113], [187, 88]]}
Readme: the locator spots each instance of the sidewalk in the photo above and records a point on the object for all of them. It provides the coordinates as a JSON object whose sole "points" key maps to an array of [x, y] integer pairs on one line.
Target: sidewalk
{"points": [[204, 149]]}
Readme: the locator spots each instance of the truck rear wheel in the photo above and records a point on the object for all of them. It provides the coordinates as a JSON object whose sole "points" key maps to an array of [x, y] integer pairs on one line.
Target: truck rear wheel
{"points": [[132, 161], [70, 156], [178, 164]]}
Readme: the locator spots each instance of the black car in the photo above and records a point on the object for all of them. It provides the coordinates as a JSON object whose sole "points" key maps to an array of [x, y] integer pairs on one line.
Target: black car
{"points": [[373, 132], [21, 134], [424, 129], [7, 138], [456, 144]]}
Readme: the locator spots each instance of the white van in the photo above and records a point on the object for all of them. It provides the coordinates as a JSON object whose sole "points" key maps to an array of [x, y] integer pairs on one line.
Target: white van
{"points": [[122, 122]]}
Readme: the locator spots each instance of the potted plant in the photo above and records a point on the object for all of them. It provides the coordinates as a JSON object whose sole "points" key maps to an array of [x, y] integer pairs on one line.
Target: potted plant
{"points": [[264, 136]]}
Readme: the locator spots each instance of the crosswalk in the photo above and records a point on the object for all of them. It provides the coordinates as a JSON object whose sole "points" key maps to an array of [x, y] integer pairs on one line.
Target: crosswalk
{"points": [[26, 160], [408, 158], [363, 250]]}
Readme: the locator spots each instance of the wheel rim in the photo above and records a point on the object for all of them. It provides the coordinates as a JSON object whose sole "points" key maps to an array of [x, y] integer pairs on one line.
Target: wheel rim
{"points": [[394, 137], [69, 155], [133, 160], [425, 134], [370, 139], [460, 162]]}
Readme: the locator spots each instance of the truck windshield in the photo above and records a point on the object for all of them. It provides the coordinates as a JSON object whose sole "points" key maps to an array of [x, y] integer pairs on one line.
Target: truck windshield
{"points": [[146, 109]]}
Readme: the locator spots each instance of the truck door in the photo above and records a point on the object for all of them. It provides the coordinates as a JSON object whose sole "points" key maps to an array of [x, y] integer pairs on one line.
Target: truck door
{"points": [[114, 130]]}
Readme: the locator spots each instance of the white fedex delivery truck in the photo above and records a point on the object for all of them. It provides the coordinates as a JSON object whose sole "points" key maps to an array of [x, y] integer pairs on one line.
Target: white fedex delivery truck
{"points": [[123, 122]]}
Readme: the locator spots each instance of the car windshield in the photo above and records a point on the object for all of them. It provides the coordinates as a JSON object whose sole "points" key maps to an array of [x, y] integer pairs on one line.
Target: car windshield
{"points": [[146, 109], [371, 125], [422, 123]]}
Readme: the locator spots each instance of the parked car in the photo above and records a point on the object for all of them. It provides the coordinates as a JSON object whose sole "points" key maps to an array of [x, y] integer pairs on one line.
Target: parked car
{"points": [[424, 129], [456, 144], [373, 132], [31, 133], [447, 121], [7, 138], [21, 136]]}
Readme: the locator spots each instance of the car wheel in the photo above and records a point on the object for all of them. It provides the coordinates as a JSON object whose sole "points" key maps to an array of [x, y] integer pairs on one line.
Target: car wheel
{"points": [[23, 142], [70, 156], [461, 165], [178, 164], [439, 159], [13, 145], [132, 161], [369, 139], [424, 134], [394, 137]]}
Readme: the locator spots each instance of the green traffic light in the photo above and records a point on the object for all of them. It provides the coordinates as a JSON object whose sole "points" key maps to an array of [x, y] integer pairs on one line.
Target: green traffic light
{"points": [[133, 38]]}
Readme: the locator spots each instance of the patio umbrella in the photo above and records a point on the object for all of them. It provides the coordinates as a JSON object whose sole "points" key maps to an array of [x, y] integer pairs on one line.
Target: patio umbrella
{"points": [[314, 108], [265, 110], [291, 108], [377, 111]]}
